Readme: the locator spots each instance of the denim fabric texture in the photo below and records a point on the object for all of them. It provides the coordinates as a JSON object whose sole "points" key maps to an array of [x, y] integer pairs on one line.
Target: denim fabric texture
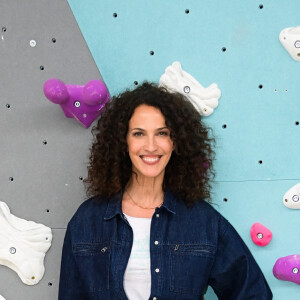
{"points": [[196, 247]]}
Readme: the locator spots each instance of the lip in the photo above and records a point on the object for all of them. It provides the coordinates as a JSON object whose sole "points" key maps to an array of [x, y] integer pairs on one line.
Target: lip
{"points": [[150, 159]]}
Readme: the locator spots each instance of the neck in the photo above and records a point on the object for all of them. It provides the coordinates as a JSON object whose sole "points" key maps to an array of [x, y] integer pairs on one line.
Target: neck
{"points": [[146, 191]]}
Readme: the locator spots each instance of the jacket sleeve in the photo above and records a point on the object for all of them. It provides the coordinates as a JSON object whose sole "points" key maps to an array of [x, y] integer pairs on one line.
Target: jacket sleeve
{"points": [[69, 282], [235, 274]]}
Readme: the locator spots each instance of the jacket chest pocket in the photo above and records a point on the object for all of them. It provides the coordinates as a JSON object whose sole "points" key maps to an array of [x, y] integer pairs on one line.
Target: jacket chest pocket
{"points": [[93, 260], [190, 268]]}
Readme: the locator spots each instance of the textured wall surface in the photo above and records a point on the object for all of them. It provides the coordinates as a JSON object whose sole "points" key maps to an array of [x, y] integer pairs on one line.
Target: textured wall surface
{"points": [[233, 43], [43, 154], [258, 149]]}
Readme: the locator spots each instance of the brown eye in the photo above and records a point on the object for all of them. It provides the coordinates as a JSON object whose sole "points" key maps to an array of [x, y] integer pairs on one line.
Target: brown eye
{"points": [[163, 133], [137, 133]]}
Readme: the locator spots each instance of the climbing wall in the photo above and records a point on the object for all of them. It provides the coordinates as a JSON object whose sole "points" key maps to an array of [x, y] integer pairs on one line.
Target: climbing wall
{"points": [[43, 154], [234, 44]]}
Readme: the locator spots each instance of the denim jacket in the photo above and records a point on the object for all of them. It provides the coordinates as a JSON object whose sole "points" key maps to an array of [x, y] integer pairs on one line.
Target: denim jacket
{"points": [[196, 247]]}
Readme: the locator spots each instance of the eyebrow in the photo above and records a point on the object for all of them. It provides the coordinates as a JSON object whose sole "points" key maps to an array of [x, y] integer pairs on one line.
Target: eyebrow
{"points": [[141, 129]]}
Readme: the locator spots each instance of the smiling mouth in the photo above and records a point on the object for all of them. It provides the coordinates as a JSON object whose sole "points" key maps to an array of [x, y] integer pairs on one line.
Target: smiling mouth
{"points": [[150, 159]]}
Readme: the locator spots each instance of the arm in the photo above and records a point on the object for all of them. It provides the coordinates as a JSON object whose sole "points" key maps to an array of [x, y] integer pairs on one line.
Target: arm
{"points": [[235, 274], [69, 282]]}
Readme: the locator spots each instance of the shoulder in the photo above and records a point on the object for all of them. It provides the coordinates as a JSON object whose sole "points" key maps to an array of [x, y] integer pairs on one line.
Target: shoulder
{"points": [[200, 212], [91, 208], [201, 209], [199, 224], [212, 221], [203, 215]]}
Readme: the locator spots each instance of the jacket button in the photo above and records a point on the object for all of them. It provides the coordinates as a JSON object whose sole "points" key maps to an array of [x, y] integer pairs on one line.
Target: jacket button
{"points": [[156, 243], [157, 270], [154, 298], [157, 215]]}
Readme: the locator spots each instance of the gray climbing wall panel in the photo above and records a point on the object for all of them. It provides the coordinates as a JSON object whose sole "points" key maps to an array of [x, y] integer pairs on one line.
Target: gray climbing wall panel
{"points": [[43, 154]]}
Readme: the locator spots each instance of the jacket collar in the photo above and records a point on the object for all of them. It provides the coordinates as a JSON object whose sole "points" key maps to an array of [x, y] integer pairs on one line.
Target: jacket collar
{"points": [[114, 206]]}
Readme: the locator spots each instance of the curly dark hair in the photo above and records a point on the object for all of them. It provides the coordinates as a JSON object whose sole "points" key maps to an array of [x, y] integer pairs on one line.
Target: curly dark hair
{"points": [[189, 171]]}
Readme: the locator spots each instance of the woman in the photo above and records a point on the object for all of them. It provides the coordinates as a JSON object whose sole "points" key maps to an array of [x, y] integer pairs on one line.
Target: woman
{"points": [[148, 231]]}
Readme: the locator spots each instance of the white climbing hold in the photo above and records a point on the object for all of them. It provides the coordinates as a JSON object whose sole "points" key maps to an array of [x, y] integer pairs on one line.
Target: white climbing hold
{"points": [[23, 245], [290, 40], [291, 198], [205, 100]]}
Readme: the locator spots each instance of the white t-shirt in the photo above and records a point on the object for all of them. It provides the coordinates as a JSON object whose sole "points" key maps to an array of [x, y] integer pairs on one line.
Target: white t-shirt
{"points": [[137, 277]]}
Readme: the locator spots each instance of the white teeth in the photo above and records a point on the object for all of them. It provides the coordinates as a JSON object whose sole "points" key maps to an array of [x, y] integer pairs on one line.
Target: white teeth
{"points": [[150, 159]]}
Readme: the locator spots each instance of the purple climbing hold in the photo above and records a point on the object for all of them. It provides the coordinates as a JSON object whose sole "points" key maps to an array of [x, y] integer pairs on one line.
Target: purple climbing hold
{"points": [[56, 91], [83, 103], [288, 268]]}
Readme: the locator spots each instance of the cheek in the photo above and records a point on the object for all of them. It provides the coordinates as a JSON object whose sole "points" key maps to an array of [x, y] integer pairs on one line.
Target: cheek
{"points": [[170, 145], [133, 146]]}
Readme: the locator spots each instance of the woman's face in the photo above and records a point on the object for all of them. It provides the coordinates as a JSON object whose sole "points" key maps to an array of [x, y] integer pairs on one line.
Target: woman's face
{"points": [[149, 144]]}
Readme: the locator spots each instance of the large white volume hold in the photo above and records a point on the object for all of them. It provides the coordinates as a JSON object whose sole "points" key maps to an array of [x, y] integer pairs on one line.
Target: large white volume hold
{"points": [[2, 298], [177, 80], [23, 245], [291, 198], [290, 40]]}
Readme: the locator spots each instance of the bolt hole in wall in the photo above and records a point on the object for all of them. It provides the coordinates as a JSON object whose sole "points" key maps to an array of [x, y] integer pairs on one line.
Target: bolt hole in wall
{"points": [[11, 179], [260, 162], [42, 68], [260, 86], [151, 52], [7, 105], [261, 6], [224, 49], [115, 15], [49, 283], [224, 126], [187, 11], [53, 40], [225, 200], [297, 123]]}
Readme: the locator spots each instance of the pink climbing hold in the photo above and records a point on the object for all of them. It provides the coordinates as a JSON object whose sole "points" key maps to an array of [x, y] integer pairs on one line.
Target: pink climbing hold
{"points": [[288, 268], [260, 234], [81, 102]]}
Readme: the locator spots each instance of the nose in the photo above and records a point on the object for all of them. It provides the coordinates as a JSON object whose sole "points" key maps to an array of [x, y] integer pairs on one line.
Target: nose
{"points": [[151, 144]]}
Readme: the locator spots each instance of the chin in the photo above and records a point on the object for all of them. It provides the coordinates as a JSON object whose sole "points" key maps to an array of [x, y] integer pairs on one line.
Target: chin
{"points": [[150, 174]]}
